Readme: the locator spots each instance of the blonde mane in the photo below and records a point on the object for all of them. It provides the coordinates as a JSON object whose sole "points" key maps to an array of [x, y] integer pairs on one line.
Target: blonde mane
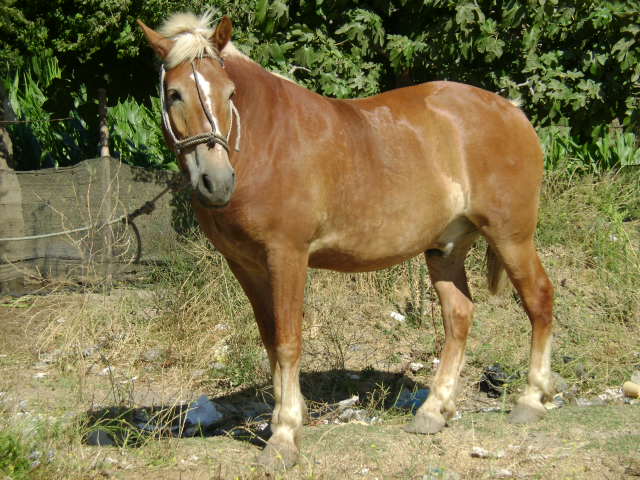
{"points": [[192, 38]]}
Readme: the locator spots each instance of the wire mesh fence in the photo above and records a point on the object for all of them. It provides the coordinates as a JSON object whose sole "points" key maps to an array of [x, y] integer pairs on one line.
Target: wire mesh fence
{"points": [[78, 222]]}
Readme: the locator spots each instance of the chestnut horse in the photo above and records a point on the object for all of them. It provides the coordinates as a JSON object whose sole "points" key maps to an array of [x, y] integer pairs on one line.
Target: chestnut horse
{"points": [[285, 179]]}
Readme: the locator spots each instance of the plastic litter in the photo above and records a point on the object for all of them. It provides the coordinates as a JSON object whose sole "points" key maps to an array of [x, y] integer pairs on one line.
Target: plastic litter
{"points": [[412, 400]]}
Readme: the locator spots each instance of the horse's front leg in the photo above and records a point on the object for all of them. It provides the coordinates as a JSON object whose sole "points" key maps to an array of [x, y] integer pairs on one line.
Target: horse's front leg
{"points": [[277, 296], [287, 272]]}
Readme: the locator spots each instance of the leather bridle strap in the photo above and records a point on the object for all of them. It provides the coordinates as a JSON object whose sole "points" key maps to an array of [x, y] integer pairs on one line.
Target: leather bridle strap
{"points": [[205, 106], [210, 138]]}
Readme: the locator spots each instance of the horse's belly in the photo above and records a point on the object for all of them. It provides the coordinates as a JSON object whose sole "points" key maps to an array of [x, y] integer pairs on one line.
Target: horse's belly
{"points": [[398, 218], [376, 246], [345, 261]]}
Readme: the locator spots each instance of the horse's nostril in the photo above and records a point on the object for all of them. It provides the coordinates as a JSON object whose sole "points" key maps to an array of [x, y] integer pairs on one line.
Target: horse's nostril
{"points": [[207, 183]]}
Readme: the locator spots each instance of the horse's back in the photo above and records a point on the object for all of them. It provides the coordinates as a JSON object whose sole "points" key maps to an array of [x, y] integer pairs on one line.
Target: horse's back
{"points": [[477, 139]]}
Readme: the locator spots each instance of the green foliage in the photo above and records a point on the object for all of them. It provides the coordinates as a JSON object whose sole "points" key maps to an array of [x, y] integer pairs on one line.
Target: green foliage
{"points": [[14, 460], [78, 32], [609, 151], [571, 64], [136, 136], [311, 48], [41, 140], [20, 35]]}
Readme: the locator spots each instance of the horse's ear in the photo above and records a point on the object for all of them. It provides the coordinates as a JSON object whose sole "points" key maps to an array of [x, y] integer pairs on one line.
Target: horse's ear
{"points": [[160, 44], [222, 35]]}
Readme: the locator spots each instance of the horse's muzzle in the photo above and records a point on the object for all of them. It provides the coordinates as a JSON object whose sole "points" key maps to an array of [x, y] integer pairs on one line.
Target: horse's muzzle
{"points": [[215, 179], [216, 188]]}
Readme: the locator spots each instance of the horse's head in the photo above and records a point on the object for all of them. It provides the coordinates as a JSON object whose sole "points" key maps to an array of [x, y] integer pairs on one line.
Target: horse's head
{"points": [[198, 114]]}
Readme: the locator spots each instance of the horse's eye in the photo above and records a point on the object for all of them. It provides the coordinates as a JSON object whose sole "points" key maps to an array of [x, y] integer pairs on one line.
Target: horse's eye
{"points": [[174, 96], [233, 93]]}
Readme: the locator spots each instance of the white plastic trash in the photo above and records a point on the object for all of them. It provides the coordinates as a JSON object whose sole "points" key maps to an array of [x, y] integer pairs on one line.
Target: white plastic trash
{"points": [[203, 412]]}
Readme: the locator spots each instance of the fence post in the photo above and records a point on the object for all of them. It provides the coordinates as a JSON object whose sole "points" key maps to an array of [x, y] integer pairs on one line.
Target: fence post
{"points": [[104, 124], [107, 183], [11, 216]]}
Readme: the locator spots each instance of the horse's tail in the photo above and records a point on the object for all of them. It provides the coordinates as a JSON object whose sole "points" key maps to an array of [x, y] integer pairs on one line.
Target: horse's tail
{"points": [[496, 275]]}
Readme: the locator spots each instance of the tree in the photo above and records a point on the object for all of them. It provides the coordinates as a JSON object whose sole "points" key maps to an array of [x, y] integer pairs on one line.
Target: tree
{"points": [[573, 64]]}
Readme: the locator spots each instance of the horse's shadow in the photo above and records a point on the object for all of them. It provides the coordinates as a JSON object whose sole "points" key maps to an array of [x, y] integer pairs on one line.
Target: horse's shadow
{"points": [[244, 415]]}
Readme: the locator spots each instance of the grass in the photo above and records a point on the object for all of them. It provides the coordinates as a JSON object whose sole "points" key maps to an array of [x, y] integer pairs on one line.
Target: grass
{"points": [[94, 346], [594, 226]]}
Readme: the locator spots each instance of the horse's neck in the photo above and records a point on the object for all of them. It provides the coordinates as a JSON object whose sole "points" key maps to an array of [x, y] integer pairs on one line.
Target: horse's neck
{"points": [[260, 92], [254, 85], [271, 104]]}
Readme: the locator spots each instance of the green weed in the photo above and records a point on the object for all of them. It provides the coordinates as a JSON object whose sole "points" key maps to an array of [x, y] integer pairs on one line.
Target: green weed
{"points": [[14, 456], [610, 150]]}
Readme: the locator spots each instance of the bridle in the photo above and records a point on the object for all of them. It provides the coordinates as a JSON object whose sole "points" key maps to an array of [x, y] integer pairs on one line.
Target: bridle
{"points": [[210, 138]]}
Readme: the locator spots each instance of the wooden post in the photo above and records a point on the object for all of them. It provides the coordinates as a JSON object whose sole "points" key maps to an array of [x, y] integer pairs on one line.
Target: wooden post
{"points": [[6, 147], [107, 182], [104, 125]]}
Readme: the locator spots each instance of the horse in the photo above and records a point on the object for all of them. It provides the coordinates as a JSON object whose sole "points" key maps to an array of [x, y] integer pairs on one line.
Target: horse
{"points": [[285, 179]]}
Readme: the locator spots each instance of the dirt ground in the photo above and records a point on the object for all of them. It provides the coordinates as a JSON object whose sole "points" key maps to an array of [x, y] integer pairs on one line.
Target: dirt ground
{"points": [[571, 442]]}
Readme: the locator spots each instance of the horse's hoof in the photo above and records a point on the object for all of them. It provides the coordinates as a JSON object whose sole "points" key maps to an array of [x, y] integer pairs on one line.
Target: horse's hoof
{"points": [[526, 413], [427, 423], [278, 457]]}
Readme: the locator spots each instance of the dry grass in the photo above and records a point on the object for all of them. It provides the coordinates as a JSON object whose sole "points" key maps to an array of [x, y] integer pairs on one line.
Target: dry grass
{"points": [[97, 349]]}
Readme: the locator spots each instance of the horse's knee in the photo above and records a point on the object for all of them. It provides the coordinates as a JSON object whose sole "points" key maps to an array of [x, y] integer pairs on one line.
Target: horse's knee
{"points": [[287, 354], [458, 314], [538, 302]]}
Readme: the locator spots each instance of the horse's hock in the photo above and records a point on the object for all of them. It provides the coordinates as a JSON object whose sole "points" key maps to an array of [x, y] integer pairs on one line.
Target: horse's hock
{"points": [[87, 196]]}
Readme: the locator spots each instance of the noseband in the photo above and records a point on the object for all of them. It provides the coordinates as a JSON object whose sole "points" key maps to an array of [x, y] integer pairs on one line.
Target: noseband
{"points": [[210, 138]]}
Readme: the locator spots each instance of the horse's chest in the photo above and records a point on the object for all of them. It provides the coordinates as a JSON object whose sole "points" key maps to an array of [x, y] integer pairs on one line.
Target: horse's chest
{"points": [[235, 240]]}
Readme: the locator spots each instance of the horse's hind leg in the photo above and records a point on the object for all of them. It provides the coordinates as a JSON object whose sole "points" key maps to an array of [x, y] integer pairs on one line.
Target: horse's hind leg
{"points": [[450, 281], [530, 279]]}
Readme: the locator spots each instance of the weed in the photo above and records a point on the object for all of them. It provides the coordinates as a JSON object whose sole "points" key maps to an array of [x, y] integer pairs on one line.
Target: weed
{"points": [[610, 150], [14, 456]]}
